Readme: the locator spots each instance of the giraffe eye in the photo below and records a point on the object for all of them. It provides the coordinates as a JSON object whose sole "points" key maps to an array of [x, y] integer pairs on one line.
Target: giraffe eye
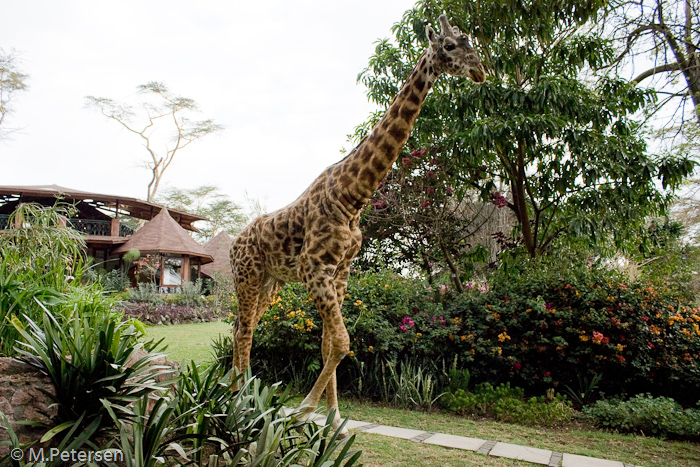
{"points": [[450, 47]]}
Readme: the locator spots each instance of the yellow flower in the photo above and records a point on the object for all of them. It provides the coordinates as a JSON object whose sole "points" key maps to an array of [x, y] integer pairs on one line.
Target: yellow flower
{"points": [[496, 316], [358, 302], [371, 348], [620, 347], [503, 336], [351, 353], [584, 338], [386, 286], [463, 338], [418, 334], [347, 295], [472, 351]]}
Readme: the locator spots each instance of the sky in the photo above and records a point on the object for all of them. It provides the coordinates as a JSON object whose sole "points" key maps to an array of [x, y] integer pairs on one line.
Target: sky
{"points": [[279, 76]]}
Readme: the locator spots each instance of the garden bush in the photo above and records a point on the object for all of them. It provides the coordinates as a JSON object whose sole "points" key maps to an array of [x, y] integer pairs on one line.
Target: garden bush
{"points": [[544, 328], [508, 404], [659, 416]]}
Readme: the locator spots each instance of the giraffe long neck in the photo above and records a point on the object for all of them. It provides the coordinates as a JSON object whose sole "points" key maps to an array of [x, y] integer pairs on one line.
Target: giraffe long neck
{"points": [[358, 176]]}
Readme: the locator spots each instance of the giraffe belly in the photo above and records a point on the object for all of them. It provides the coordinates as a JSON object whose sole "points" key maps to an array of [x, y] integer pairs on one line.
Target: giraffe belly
{"points": [[282, 268]]}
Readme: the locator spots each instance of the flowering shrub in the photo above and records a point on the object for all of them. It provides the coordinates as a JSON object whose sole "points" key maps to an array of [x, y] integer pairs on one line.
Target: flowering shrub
{"points": [[545, 329], [539, 330]]}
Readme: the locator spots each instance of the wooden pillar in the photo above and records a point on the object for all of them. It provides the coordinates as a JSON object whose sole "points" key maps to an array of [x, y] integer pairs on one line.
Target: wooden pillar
{"points": [[114, 228], [185, 269], [162, 270]]}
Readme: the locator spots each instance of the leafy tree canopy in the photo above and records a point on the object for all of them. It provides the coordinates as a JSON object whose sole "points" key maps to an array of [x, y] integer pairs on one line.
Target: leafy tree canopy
{"points": [[546, 136]]}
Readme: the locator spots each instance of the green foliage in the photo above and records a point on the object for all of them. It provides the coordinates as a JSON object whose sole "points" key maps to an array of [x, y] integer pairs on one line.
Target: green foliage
{"points": [[144, 292], [41, 263], [658, 416], [207, 201], [509, 405], [544, 327], [192, 292], [202, 420], [545, 127], [409, 385], [90, 358], [37, 244]]}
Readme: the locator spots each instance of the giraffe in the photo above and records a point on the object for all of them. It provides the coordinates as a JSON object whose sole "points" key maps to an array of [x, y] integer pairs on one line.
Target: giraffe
{"points": [[315, 238]]}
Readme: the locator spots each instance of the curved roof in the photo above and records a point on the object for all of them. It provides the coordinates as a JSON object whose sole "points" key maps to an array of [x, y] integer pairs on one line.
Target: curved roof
{"points": [[163, 235], [129, 206], [218, 247]]}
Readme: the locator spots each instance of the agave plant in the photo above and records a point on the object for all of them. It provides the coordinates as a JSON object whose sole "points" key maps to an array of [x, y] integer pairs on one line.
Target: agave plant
{"points": [[90, 358]]}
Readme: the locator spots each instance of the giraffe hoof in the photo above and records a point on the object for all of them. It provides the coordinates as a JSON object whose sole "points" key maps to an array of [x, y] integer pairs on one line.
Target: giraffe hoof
{"points": [[344, 433]]}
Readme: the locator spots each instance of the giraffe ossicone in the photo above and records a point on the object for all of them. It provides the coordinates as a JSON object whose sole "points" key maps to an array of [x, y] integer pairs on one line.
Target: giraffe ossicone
{"points": [[315, 238]]}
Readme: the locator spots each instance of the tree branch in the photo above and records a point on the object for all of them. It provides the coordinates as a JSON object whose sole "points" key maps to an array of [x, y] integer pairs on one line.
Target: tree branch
{"points": [[656, 70]]}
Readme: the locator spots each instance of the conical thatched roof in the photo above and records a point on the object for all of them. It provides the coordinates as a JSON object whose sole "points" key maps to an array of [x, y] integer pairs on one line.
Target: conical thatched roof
{"points": [[163, 234], [218, 247]]}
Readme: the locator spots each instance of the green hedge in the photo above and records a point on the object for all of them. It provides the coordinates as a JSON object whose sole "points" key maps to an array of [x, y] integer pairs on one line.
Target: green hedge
{"points": [[538, 330]]}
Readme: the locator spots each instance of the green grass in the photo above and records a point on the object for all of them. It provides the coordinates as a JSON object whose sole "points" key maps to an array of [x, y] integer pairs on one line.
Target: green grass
{"points": [[193, 341], [189, 341]]}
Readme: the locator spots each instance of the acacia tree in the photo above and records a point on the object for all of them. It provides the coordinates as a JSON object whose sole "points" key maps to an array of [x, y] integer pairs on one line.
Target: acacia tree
{"points": [[668, 32], [161, 122], [12, 81], [561, 139], [207, 201]]}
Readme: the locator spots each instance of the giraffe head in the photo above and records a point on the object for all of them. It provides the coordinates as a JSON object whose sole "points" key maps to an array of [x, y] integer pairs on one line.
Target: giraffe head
{"points": [[453, 54]]}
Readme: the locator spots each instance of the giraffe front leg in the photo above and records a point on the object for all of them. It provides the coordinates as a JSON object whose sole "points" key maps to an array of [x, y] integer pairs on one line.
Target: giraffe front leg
{"points": [[335, 345]]}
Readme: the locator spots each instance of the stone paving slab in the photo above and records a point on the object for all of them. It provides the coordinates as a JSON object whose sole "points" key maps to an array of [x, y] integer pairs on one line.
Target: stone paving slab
{"points": [[455, 442], [574, 460], [403, 433], [354, 424], [522, 453]]}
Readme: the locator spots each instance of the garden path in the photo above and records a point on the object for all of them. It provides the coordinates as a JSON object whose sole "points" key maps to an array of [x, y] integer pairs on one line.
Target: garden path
{"points": [[482, 446]]}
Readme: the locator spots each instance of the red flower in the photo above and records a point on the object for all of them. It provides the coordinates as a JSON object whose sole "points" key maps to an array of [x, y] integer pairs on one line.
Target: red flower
{"points": [[645, 319], [547, 374], [517, 366], [597, 337]]}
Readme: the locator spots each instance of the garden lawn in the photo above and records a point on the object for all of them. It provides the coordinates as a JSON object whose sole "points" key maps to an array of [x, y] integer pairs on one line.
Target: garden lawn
{"points": [[193, 342], [189, 341]]}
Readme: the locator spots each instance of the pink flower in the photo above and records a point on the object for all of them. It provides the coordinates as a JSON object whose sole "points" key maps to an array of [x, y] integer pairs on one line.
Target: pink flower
{"points": [[431, 175], [499, 200], [597, 337], [419, 153], [448, 188], [405, 161], [403, 328], [430, 190], [425, 204], [379, 204]]}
